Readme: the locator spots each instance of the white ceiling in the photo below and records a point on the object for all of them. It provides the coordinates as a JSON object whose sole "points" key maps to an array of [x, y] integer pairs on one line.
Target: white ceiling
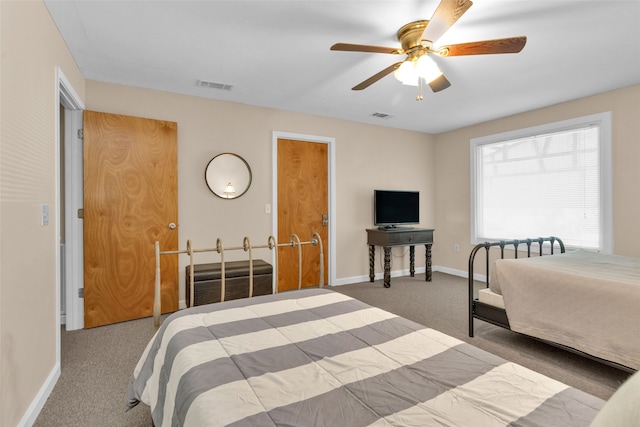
{"points": [[276, 54]]}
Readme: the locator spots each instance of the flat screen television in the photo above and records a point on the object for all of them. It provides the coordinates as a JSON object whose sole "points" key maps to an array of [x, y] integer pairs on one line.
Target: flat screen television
{"points": [[392, 208]]}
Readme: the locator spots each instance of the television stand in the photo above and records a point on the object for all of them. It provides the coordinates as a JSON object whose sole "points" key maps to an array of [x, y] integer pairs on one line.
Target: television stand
{"points": [[398, 236]]}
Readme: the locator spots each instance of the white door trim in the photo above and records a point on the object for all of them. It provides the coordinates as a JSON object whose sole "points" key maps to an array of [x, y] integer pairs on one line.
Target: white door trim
{"points": [[74, 270], [332, 186]]}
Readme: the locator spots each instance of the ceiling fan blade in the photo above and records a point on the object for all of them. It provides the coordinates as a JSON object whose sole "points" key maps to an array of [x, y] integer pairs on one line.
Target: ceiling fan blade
{"points": [[347, 47], [371, 80], [485, 47], [439, 84], [446, 14]]}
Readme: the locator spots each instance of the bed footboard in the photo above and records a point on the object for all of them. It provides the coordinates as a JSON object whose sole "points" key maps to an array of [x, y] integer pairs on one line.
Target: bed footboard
{"points": [[486, 312]]}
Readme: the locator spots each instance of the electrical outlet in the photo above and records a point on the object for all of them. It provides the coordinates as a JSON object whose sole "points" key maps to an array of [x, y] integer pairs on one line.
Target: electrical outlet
{"points": [[456, 248]]}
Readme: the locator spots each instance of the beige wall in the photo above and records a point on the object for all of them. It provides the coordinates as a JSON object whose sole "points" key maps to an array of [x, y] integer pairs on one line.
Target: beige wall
{"points": [[31, 49], [367, 157], [452, 171]]}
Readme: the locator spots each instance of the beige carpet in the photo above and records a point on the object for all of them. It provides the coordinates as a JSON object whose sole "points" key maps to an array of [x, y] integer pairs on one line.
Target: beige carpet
{"points": [[97, 363]]}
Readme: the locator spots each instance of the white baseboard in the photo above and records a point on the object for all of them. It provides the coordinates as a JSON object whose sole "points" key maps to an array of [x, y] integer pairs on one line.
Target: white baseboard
{"points": [[460, 273], [38, 402], [451, 271], [377, 276], [398, 273]]}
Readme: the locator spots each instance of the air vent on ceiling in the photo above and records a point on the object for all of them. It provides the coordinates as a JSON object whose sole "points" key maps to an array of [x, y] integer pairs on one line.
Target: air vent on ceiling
{"points": [[214, 85], [381, 115]]}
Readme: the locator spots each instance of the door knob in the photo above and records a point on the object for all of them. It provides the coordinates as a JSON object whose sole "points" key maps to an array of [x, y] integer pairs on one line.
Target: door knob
{"points": [[172, 226]]}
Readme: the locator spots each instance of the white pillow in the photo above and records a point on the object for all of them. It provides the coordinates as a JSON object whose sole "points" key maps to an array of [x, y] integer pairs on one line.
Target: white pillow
{"points": [[623, 408]]}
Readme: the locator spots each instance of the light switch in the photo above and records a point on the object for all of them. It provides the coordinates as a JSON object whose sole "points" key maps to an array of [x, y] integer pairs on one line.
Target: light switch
{"points": [[45, 215], [267, 208]]}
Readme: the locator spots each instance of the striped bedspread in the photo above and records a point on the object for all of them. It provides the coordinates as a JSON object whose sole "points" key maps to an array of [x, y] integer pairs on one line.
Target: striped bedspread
{"points": [[319, 358]]}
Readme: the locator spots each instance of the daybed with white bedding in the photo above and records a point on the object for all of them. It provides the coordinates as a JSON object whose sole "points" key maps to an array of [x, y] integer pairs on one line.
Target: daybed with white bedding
{"points": [[315, 357], [581, 300]]}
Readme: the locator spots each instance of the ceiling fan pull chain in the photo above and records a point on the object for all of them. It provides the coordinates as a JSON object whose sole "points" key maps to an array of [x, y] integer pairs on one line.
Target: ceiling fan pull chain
{"points": [[419, 97]]}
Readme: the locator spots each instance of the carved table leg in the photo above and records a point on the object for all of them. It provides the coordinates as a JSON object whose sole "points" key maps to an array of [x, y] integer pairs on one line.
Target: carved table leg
{"points": [[387, 266], [412, 260], [428, 269], [372, 262]]}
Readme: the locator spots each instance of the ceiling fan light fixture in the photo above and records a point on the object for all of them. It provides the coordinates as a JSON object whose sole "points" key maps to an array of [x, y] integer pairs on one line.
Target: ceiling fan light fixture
{"points": [[427, 69], [407, 73], [411, 70]]}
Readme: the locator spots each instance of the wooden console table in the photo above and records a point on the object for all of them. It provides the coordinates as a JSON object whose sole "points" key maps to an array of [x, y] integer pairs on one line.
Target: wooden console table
{"points": [[401, 236]]}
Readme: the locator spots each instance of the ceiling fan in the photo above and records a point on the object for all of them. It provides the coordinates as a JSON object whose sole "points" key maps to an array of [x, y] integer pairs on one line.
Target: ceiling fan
{"points": [[417, 40]]}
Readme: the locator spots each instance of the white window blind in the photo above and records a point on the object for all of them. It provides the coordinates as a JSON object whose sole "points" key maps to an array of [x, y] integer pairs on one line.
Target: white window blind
{"points": [[544, 181]]}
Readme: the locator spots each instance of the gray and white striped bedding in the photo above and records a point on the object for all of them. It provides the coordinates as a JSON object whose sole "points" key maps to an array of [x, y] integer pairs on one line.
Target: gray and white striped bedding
{"points": [[319, 358]]}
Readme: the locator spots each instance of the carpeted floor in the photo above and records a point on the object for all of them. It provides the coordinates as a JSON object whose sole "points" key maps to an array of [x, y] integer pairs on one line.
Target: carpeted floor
{"points": [[96, 366], [97, 363]]}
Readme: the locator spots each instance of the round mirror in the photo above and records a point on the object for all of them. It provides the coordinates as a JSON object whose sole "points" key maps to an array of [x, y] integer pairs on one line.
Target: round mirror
{"points": [[228, 176]]}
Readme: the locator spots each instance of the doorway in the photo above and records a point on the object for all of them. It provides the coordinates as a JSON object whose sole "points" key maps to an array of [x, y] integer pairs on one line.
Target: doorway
{"points": [[68, 192], [329, 146]]}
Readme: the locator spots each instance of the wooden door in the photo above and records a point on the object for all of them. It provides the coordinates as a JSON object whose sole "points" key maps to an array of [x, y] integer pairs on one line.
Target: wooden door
{"points": [[130, 199], [302, 202]]}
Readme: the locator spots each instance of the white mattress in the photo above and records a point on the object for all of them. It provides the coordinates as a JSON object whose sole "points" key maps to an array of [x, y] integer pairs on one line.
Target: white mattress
{"points": [[487, 296]]}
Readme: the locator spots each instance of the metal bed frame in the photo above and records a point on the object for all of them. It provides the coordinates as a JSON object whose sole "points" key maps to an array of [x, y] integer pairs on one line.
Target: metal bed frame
{"points": [[294, 241], [498, 316]]}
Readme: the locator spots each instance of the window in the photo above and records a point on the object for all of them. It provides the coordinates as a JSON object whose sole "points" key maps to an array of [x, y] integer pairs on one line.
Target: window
{"points": [[550, 180]]}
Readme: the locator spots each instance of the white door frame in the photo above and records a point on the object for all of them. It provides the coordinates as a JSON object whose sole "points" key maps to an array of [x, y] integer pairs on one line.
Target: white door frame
{"points": [[332, 186], [74, 269]]}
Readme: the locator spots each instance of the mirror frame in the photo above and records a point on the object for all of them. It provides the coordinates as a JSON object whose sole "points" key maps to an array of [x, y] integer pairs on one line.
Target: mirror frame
{"points": [[234, 169]]}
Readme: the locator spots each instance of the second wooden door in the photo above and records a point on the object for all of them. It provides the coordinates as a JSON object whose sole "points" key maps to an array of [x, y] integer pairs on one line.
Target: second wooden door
{"points": [[302, 209]]}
